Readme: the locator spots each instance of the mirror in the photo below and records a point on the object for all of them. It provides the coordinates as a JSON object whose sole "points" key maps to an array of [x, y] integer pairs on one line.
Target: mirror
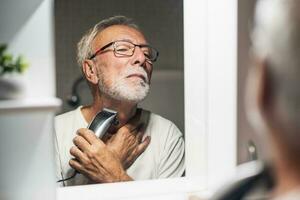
{"points": [[162, 24], [209, 123]]}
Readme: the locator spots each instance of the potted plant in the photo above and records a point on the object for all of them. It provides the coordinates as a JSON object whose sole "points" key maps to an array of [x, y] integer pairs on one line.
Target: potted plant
{"points": [[11, 70]]}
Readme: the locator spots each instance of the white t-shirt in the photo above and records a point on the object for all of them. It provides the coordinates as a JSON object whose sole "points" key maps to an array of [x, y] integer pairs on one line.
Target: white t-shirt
{"points": [[163, 158]]}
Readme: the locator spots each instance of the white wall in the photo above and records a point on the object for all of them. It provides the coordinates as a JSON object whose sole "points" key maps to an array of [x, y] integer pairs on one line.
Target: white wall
{"points": [[33, 39]]}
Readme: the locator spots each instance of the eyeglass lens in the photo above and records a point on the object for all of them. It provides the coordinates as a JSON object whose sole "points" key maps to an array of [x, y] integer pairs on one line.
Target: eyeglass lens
{"points": [[127, 49]]}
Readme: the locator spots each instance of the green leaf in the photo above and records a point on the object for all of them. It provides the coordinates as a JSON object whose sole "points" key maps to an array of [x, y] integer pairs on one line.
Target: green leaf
{"points": [[8, 64], [3, 47]]}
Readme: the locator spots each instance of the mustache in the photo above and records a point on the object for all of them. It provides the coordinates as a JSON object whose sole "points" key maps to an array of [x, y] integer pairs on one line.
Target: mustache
{"points": [[136, 70]]}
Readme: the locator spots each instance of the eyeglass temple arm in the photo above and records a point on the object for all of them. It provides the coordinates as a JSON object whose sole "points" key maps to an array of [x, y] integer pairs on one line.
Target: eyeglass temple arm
{"points": [[101, 49]]}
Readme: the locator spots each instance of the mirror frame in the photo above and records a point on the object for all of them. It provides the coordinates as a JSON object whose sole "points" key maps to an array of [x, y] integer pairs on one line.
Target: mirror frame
{"points": [[210, 75]]}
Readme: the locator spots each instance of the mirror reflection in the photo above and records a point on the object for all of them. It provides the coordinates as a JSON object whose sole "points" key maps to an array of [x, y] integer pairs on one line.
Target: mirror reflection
{"points": [[119, 69]]}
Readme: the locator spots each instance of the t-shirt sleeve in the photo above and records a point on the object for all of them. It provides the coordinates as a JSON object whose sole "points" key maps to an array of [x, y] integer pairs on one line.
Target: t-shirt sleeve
{"points": [[173, 157]]}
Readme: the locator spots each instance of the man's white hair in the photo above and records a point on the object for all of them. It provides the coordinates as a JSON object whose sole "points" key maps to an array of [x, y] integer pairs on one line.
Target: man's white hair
{"points": [[84, 46], [276, 39]]}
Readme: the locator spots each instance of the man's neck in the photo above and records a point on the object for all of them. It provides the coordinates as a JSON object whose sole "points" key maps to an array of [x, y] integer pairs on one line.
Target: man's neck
{"points": [[125, 109]]}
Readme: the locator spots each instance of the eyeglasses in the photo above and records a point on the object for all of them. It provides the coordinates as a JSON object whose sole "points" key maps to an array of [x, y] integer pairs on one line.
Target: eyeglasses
{"points": [[125, 48]]}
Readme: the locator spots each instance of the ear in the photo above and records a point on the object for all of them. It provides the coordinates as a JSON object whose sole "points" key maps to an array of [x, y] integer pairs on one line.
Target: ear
{"points": [[90, 71], [263, 89], [257, 95]]}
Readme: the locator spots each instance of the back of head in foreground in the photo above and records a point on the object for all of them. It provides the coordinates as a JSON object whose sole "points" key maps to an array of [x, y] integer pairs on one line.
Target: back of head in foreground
{"points": [[273, 86], [273, 99]]}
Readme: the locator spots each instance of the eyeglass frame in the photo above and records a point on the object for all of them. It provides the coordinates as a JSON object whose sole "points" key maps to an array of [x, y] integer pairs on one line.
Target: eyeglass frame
{"points": [[114, 49]]}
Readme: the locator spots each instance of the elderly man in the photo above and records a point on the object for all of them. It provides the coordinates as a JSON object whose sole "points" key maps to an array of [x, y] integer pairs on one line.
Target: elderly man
{"points": [[117, 62], [274, 95], [273, 103]]}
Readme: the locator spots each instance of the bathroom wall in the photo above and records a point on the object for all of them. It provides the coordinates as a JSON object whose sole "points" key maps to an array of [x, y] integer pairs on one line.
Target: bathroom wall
{"points": [[245, 132]]}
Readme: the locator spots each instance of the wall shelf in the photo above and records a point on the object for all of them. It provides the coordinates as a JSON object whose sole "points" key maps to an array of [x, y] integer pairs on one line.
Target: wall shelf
{"points": [[30, 104]]}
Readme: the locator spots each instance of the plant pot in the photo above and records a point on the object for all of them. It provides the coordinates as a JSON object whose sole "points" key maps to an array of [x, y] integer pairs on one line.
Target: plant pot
{"points": [[11, 86]]}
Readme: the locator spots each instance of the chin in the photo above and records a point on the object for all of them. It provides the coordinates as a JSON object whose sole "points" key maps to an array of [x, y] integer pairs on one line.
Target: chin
{"points": [[134, 94], [136, 82], [129, 92]]}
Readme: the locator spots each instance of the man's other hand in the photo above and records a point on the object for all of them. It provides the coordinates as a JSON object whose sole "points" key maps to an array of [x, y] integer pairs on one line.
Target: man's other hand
{"points": [[128, 143]]}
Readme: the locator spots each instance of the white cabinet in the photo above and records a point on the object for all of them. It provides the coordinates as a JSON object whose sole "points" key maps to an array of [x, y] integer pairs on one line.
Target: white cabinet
{"points": [[26, 149], [26, 125]]}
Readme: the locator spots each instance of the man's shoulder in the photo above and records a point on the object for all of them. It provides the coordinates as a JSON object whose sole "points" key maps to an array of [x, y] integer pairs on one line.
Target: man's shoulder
{"points": [[66, 116], [160, 119], [163, 126], [68, 120], [67, 124]]}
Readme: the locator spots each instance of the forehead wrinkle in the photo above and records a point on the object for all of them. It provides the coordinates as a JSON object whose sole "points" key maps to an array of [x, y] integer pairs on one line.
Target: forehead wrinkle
{"points": [[118, 32]]}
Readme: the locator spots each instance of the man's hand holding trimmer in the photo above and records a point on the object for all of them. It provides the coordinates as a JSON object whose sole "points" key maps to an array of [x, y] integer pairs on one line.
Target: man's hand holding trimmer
{"points": [[107, 162]]}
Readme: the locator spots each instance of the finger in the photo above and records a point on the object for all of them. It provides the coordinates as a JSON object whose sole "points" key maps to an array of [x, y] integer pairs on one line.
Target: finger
{"points": [[88, 135], [142, 147], [106, 137], [76, 165], [128, 129], [81, 143], [138, 128], [140, 132], [79, 155], [134, 121], [139, 150], [145, 117], [141, 117], [79, 167]]}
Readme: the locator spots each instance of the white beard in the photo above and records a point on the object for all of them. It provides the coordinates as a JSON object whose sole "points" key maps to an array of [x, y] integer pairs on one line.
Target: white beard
{"points": [[124, 89]]}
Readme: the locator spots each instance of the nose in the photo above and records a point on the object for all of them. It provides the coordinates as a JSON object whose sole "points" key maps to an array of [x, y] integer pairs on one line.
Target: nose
{"points": [[139, 56]]}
